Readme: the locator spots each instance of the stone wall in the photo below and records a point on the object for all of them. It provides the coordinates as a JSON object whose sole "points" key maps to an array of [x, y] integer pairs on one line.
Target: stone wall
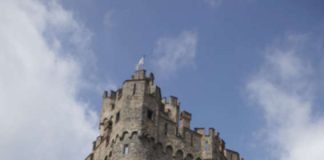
{"points": [[137, 124]]}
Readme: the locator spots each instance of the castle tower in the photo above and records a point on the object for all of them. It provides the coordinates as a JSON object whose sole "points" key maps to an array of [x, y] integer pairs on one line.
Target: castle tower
{"points": [[136, 123]]}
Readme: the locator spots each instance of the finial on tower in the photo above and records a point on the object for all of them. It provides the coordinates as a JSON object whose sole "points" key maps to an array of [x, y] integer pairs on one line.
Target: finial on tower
{"points": [[140, 63]]}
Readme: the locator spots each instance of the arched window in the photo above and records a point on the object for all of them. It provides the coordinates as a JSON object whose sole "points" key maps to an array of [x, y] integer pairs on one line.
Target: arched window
{"points": [[189, 157], [179, 155], [169, 152]]}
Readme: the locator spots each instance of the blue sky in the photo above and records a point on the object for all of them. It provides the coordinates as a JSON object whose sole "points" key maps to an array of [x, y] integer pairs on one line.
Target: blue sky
{"points": [[252, 69]]}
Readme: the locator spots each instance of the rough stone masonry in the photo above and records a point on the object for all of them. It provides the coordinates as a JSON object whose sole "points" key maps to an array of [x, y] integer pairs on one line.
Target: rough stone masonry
{"points": [[136, 123]]}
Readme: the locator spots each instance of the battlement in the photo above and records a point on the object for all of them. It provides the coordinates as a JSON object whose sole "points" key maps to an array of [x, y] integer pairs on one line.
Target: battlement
{"points": [[111, 94], [185, 115], [172, 100], [211, 132], [232, 155], [141, 74]]}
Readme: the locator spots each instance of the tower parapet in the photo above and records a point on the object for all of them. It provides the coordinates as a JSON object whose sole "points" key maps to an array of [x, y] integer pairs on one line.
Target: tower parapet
{"points": [[139, 74]]}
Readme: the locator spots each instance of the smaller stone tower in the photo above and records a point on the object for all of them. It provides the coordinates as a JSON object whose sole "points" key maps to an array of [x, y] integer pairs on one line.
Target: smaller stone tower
{"points": [[136, 123]]}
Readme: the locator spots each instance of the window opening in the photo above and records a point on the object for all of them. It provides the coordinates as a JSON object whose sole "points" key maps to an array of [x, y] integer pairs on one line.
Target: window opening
{"points": [[110, 154], [150, 114], [125, 149], [117, 117], [165, 129], [134, 89]]}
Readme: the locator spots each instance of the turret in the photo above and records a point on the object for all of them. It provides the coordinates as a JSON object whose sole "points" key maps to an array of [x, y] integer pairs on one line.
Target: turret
{"points": [[212, 145], [108, 105], [172, 108], [185, 118], [133, 108], [232, 155]]}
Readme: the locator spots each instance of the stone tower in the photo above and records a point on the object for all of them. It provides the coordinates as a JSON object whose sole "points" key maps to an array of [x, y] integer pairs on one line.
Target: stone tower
{"points": [[136, 123]]}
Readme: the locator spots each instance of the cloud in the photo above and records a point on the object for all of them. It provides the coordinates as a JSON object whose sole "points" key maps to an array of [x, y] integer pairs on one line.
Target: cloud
{"points": [[41, 75], [108, 19], [284, 89], [174, 53], [213, 3]]}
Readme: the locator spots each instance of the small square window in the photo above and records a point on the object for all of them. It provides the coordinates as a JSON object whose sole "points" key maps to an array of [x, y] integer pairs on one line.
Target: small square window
{"points": [[117, 117], [112, 106], [134, 89], [110, 154], [150, 114], [165, 129], [125, 149]]}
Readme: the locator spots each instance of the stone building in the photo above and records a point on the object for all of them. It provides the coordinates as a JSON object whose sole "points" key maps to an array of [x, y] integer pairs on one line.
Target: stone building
{"points": [[136, 123]]}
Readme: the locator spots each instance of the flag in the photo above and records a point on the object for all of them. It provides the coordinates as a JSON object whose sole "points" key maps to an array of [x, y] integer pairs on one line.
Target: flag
{"points": [[140, 63]]}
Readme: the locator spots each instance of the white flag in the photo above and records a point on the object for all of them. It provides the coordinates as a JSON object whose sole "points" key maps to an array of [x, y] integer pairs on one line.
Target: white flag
{"points": [[140, 63]]}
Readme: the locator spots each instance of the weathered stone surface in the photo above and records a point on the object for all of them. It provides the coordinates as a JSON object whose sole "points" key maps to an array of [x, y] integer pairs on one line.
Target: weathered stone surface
{"points": [[137, 124]]}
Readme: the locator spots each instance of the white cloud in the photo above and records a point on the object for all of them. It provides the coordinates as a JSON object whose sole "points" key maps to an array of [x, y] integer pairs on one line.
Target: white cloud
{"points": [[41, 116], [284, 88], [173, 53], [108, 19]]}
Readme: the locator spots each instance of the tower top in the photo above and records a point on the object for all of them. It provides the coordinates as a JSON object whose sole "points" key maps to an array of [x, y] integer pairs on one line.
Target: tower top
{"points": [[139, 74]]}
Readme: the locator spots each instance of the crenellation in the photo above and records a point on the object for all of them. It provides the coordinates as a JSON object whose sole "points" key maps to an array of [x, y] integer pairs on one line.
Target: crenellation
{"points": [[136, 123], [139, 74], [211, 132], [111, 94], [201, 131], [232, 155], [173, 101]]}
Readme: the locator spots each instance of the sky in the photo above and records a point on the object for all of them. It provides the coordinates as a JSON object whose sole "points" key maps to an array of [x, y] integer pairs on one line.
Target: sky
{"points": [[251, 69]]}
